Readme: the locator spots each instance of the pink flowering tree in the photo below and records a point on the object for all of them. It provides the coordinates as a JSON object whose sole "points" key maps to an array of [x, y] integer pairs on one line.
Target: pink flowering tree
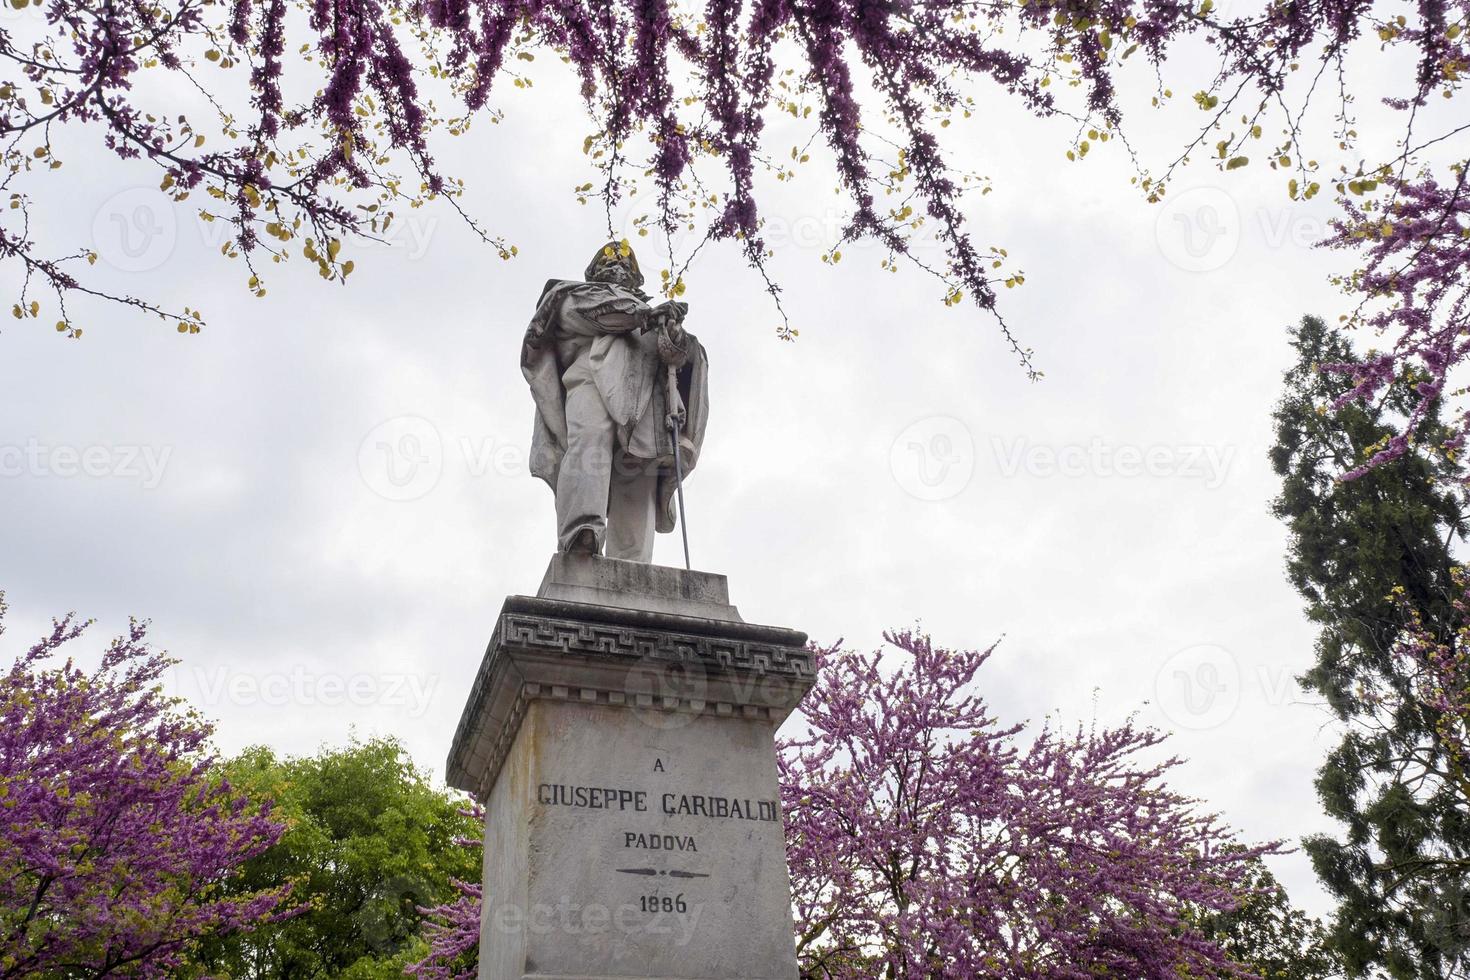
{"points": [[322, 114], [1413, 236], [925, 841], [452, 929], [114, 837]]}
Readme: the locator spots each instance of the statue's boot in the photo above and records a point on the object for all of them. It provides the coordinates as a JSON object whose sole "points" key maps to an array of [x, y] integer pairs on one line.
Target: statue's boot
{"points": [[584, 542]]}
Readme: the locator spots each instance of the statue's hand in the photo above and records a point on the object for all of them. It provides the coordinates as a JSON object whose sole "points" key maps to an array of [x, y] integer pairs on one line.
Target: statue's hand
{"points": [[673, 343], [669, 317]]}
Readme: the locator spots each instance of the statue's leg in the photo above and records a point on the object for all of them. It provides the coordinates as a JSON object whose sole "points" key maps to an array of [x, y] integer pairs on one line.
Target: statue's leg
{"points": [[631, 512], [582, 481]]}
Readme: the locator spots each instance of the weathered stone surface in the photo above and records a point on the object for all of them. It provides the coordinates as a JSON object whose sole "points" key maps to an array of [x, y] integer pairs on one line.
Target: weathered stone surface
{"points": [[598, 865], [637, 585], [633, 823]]}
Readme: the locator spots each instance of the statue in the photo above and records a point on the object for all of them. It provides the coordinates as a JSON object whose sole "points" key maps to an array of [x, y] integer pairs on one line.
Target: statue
{"points": [[613, 378]]}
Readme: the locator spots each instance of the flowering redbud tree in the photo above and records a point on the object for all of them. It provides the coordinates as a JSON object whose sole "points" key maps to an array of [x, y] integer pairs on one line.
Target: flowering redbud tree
{"points": [[114, 838], [321, 112], [925, 841], [452, 929]]}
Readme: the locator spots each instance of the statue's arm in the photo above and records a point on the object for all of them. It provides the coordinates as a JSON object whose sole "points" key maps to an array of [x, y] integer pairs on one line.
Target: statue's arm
{"points": [[594, 308], [597, 311], [617, 314]]}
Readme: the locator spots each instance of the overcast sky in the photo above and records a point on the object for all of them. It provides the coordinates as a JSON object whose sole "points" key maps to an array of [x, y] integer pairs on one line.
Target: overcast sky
{"points": [[322, 499]]}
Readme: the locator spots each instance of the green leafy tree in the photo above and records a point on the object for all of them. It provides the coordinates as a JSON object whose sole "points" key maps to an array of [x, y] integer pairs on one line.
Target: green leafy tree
{"points": [[370, 841], [1362, 552], [1270, 937]]}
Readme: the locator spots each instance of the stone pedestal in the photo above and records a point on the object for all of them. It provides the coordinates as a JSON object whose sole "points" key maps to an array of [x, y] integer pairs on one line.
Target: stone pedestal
{"points": [[620, 734]]}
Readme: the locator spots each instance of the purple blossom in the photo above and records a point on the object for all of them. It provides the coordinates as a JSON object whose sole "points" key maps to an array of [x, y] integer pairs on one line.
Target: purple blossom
{"points": [[115, 832], [926, 841]]}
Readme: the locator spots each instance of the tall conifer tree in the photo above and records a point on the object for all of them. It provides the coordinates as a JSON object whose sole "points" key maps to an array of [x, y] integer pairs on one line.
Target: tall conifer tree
{"points": [[1402, 910]]}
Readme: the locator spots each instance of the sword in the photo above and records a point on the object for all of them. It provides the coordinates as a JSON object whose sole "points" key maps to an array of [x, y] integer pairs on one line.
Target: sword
{"points": [[675, 421]]}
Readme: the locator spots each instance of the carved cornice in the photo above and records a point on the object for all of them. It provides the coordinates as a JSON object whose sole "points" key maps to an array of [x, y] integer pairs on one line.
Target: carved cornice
{"points": [[569, 651], [595, 639]]}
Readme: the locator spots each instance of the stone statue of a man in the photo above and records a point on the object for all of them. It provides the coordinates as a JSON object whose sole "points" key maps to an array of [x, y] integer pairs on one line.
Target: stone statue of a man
{"points": [[608, 371]]}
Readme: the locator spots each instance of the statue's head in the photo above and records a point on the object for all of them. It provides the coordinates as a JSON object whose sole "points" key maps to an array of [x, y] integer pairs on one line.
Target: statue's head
{"points": [[615, 263]]}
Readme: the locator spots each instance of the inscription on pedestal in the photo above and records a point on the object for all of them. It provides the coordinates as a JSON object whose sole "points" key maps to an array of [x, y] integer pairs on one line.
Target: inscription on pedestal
{"points": [[659, 852], [682, 838], [633, 820]]}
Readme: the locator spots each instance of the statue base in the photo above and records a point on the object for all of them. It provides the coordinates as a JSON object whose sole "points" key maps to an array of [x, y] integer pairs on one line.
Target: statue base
{"points": [[623, 750]]}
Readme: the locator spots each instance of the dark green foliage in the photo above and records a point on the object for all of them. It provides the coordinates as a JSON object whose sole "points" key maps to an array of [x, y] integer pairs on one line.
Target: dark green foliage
{"points": [[370, 840], [1270, 937], [1401, 910]]}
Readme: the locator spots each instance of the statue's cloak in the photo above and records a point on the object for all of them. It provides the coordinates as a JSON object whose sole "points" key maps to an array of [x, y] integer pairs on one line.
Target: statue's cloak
{"points": [[627, 372]]}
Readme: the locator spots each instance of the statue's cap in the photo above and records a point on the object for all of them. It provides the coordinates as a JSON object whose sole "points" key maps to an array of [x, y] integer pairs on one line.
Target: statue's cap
{"points": [[616, 248]]}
